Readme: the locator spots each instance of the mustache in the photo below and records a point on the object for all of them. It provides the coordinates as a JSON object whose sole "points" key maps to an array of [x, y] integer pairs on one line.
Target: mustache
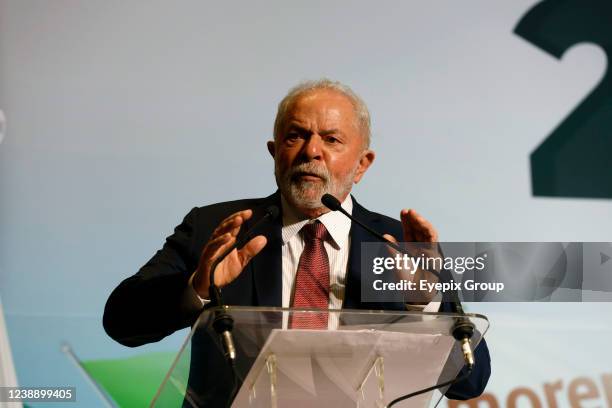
{"points": [[310, 169]]}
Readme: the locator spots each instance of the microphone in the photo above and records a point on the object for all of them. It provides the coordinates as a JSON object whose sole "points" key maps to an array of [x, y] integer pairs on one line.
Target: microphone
{"points": [[223, 322], [334, 204], [463, 330]]}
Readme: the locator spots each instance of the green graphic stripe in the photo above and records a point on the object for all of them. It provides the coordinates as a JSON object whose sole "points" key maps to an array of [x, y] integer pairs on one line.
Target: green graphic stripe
{"points": [[132, 382]]}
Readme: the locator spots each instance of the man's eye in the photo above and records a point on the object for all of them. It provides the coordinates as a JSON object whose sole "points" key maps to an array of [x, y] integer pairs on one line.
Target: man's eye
{"points": [[331, 139], [292, 136]]}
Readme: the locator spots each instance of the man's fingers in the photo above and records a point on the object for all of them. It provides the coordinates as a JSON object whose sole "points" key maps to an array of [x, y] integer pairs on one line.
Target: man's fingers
{"points": [[235, 262], [406, 226], [232, 223], [416, 220], [390, 238], [420, 222], [212, 246], [246, 214], [417, 228], [252, 248], [426, 233], [209, 253], [424, 230], [222, 248], [228, 225]]}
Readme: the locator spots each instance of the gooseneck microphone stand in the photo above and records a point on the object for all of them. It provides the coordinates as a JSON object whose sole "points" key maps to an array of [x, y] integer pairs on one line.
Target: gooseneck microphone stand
{"points": [[223, 323]]}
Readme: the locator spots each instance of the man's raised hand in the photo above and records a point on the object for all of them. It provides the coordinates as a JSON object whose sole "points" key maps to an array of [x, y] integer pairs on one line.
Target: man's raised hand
{"points": [[416, 228], [222, 238]]}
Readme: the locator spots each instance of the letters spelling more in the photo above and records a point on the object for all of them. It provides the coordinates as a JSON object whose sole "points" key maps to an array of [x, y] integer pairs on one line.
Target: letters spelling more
{"points": [[411, 264]]}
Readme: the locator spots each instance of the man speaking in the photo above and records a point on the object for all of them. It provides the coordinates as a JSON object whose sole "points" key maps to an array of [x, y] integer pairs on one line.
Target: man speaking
{"points": [[307, 257]]}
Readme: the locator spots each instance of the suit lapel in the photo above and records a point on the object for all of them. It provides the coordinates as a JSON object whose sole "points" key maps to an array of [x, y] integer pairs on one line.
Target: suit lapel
{"points": [[267, 265], [354, 278], [352, 291]]}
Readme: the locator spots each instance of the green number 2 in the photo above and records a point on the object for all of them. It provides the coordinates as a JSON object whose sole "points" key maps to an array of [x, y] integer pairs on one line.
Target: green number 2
{"points": [[576, 158]]}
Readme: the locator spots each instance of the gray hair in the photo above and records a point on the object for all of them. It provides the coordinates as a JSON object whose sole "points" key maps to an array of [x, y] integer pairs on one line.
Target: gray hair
{"points": [[361, 110]]}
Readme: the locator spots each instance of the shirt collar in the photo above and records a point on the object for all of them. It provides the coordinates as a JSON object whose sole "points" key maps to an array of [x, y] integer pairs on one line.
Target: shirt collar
{"points": [[337, 224]]}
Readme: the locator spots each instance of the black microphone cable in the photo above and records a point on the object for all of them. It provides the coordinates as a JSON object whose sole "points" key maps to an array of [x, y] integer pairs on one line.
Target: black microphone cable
{"points": [[434, 387], [223, 322]]}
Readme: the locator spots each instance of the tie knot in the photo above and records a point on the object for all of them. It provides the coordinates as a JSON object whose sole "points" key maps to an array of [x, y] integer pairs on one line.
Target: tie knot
{"points": [[315, 230]]}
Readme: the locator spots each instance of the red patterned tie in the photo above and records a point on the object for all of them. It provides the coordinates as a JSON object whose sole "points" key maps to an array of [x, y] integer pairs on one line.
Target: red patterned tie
{"points": [[312, 280]]}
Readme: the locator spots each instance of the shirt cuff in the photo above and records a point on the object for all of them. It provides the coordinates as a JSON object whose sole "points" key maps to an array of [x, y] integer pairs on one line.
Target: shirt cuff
{"points": [[433, 306], [192, 295]]}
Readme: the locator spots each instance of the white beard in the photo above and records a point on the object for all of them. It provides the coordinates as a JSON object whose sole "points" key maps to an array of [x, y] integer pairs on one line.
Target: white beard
{"points": [[307, 194]]}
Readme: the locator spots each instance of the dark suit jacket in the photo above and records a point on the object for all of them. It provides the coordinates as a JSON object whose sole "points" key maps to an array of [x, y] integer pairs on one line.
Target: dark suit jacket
{"points": [[148, 306]]}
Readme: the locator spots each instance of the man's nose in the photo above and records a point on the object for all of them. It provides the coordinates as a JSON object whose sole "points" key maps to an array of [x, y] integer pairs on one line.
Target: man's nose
{"points": [[312, 149]]}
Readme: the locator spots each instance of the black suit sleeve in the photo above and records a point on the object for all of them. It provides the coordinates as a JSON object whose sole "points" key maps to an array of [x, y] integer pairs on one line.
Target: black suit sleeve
{"points": [[475, 384], [149, 306]]}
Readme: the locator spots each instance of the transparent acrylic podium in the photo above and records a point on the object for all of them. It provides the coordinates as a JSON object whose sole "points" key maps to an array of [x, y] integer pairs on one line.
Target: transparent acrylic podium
{"points": [[366, 358]]}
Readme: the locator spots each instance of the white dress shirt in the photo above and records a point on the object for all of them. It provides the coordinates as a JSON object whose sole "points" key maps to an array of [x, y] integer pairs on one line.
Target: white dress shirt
{"points": [[337, 247]]}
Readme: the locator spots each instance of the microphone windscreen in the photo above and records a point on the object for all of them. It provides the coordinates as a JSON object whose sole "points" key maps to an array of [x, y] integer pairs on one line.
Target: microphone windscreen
{"points": [[273, 212], [331, 202]]}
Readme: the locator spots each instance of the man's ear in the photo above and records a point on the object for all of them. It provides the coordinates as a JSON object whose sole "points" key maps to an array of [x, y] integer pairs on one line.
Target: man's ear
{"points": [[366, 160], [271, 147]]}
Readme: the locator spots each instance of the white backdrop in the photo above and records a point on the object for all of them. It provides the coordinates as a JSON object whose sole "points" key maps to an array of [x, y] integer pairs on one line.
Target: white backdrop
{"points": [[124, 115]]}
